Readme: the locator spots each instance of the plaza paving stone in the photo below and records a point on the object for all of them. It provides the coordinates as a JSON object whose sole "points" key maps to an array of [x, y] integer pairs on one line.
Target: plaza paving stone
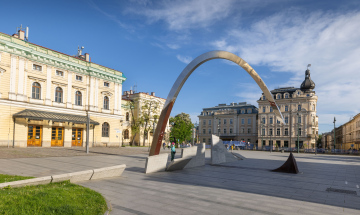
{"points": [[243, 187]]}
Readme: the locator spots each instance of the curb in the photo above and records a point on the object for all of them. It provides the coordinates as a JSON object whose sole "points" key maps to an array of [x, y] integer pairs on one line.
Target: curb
{"points": [[106, 172], [109, 206]]}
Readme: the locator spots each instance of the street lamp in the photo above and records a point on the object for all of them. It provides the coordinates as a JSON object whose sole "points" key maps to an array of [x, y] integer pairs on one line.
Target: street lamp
{"points": [[334, 134], [270, 142]]}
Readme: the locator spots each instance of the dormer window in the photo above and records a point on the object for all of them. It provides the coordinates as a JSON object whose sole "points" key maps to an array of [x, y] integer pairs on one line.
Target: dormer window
{"points": [[59, 73], [286, 96], [278, 96], [106, 84], [263, 98]]}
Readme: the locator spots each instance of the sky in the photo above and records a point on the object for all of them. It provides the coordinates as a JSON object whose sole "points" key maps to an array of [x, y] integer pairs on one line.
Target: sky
{"points": [[151, 42]]}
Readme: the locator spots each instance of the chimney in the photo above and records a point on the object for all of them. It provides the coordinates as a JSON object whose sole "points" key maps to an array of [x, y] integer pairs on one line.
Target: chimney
{"points": [[153, 93], [21, 34], [87, 57], [15, 35]]}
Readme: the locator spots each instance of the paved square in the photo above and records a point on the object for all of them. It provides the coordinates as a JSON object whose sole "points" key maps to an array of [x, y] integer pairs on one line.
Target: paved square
{"points": [[242, 187]]}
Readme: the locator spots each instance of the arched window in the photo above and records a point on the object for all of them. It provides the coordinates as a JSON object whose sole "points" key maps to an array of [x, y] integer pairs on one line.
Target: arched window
{"points": [[106, 103], [278, 96], [36, 90], [299, 107], [78, 98], [126, 134], [58, 95], [105, 129], [286, 96], [127, 116]]}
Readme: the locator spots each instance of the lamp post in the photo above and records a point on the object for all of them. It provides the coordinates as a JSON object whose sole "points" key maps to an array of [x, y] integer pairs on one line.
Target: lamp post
{"points": [[334, 134], [262, 133], [270, 142]]}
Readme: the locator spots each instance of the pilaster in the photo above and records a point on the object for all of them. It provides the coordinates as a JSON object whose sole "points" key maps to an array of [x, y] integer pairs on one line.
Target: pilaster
{"points": [[48, 86], [12, 95], [20, 93], [69, 94]]}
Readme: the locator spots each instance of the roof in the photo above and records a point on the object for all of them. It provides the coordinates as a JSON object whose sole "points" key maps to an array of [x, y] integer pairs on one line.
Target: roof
{"points": [[58, 117], [284, 90]]}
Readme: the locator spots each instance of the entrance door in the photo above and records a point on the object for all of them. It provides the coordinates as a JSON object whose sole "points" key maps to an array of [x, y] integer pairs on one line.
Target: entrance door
{"points": [[77, 137], [34, 135], [57, 136]]}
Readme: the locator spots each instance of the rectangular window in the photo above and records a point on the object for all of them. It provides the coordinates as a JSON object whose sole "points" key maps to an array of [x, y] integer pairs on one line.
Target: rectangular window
{"points": [[270, 132], [278, 132], [106, 84], [231, 121], [224, 121], [271, 120], [249, 130], [299, 131], [37, 67], [249, 120], [277, 121], [286, 144], [59, 73], [242, 121], [299, 119], [78, 78], [271, 109], [286, 133], [204, 122], [286, 108], [209, 141], [263, 131], [224, 130], [263, 120], [231, 131], [286, 120], [203, 131], [209, 121], [243, 130], [263, 109], [204, 140], [209, 130]]}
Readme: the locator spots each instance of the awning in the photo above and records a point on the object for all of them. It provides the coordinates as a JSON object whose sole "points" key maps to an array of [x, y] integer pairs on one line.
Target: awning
{"points": [[57, 117]]}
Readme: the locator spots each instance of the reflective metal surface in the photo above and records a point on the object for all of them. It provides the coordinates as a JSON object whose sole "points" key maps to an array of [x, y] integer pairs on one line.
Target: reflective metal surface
{"points": [[165, 114]]}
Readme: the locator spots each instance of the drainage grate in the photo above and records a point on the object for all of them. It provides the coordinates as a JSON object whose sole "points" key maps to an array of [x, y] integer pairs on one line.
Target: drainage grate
{"points": [[341, 191]]}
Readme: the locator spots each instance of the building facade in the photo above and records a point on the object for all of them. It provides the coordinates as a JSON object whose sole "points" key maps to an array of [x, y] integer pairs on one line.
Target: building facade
{"points": [[348, 135], [237, 121], [45, 96], [140, 106], [298, 107]]}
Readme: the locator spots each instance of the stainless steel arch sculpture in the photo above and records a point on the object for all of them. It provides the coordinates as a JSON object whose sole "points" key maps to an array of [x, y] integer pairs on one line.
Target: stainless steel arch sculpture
{"points": [[165, 113]]}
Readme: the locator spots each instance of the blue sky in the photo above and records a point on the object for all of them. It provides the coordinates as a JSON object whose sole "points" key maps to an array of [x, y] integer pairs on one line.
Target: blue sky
{"points": [[151, 42]]}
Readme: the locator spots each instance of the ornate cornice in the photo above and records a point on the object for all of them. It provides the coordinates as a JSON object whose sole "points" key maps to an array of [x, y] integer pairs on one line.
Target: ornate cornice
{"points": [[52, 58]]}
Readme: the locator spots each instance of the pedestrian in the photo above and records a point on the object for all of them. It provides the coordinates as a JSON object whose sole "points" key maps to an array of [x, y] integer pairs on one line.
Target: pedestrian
{"points": [[173, 151], [164, 144], [169, 145]]}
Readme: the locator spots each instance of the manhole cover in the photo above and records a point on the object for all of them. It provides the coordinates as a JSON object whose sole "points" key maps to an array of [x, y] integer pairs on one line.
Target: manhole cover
{"points": [[341, 191]]}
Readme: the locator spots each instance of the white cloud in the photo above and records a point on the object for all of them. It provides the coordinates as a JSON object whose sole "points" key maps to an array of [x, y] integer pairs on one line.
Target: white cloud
{"points": [[173, 46], [288, 41], [180, 15], [184, 59]]}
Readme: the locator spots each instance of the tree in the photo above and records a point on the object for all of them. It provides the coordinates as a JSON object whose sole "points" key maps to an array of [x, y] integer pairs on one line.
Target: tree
{"points": [[135, 125], [181, 127], [148, 115], [318, 142]]}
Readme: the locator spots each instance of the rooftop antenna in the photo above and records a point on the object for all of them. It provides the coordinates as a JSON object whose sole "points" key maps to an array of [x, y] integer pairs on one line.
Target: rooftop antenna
{"points": [[80, 51], [308, 66], [19, 28]]}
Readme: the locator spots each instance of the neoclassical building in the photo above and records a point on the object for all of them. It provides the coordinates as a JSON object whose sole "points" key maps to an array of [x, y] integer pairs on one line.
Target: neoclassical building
{"points": [[237, 121], [298, 106], [348, 135], [45, 96], [132, 114]]}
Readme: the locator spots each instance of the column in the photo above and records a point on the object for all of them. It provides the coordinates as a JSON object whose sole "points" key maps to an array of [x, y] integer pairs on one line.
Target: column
{"points": [[92, 86], [69, 90], [12, 95], [20, 92], [120, 97], [48, 86], [25, 80], [96, 94], [116, 98]]}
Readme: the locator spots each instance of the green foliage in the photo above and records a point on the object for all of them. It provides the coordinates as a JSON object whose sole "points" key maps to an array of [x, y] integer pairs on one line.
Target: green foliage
{"points": [[318, 141], [148, 116], [181, 127], [9, 178], [54, 198]]}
